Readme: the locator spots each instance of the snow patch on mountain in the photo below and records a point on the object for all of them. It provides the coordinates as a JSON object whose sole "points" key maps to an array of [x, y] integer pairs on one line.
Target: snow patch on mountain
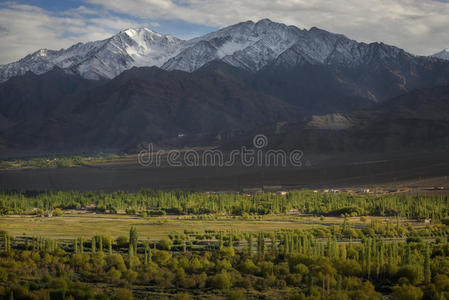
{"points": [[100, 59], [442, 55], [247, 45], [254, 46]]}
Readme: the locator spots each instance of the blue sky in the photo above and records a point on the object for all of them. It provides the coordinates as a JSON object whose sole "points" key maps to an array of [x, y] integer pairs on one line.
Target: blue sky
{"points": [[418, 26], [53, 5]]}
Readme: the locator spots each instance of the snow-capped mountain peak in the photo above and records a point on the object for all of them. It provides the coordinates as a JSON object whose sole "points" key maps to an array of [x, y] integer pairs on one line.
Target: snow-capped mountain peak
{"points": [[247, 45], [42, 52], [146, 47], [101, 59], [143, 34], [254, 46], [444, 54]]}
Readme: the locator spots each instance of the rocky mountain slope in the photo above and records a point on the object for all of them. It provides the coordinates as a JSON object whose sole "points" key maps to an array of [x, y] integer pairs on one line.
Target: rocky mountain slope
{"points": [[64, 113], [247, 45], [100, 59], [412, 122], [330, 92], [444, 54]]}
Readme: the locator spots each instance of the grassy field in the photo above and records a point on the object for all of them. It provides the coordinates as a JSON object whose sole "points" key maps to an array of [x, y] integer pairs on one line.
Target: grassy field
{"points": [[72, 225]]}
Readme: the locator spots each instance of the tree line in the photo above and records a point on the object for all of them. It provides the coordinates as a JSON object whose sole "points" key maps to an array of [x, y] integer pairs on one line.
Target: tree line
{"points": [[153, 203], [288, 264]]}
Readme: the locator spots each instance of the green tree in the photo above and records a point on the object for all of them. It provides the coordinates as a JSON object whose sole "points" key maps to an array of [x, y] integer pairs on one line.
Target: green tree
{"points": [[407, 292], [93, 245], [123, 294], [250, 243], [221, 281], [133, 239], [427, 273]]}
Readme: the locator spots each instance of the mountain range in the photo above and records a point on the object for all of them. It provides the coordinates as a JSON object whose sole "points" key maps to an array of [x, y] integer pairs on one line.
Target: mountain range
{"points": [[247, 45], [141, 86], [413, 122]]}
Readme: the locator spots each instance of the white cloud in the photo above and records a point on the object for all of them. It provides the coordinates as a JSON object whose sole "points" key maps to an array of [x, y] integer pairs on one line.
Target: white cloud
{"points": [[419, 26]]}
